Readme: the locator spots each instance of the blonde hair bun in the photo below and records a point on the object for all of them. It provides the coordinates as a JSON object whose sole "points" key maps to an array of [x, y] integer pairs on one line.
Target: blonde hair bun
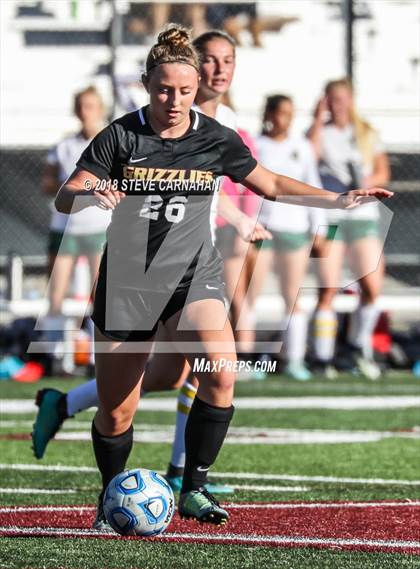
{"points": [[175, 36], [173, 46]]}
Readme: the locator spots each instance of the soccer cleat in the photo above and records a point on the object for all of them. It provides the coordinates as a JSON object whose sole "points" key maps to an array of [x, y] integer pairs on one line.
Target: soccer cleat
{"points": [[330, 372], [52, 412], [297, 371], [101, 523], [200, 505], [324, 369], [175, 482], [368, 368], [363, 365]]}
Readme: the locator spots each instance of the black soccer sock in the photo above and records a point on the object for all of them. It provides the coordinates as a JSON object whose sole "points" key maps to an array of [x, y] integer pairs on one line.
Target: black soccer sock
{"points": [[62, 408], [205, 432], [111, 453]]}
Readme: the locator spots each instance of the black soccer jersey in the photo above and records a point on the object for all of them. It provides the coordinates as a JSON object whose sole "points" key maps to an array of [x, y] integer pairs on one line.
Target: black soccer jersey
{"points": [[160, 233]]}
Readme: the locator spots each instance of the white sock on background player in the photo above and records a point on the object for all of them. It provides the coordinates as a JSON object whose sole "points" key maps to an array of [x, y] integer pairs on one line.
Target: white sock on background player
{"points": [[362, 325], [90, 327], [325, 330], [295, 337], [82, 397], [185, 400]]}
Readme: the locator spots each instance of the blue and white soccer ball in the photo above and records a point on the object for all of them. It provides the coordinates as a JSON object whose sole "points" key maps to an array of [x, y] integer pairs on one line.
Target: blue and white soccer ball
{"points": [[139, 502]]}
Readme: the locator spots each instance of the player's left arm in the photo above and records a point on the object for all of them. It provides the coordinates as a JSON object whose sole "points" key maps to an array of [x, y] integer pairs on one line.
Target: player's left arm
{"points": [[282, 188]]}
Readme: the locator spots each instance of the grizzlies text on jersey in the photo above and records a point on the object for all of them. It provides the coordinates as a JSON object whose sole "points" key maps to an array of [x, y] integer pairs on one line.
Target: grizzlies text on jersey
{"points": [[159, 238]]}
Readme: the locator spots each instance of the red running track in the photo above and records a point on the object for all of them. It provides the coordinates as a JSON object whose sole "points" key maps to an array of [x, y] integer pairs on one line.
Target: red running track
{"points": [[363, 526]]}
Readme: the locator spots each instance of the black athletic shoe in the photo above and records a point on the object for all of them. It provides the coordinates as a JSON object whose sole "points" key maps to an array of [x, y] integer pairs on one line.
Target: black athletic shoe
{"points": [[202, 506]]}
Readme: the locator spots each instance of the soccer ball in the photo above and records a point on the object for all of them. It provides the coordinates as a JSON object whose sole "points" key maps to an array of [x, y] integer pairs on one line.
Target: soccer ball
{"points": [[139, 502]]}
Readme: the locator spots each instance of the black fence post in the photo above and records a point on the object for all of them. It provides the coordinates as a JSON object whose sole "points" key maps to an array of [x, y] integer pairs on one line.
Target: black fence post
{"points": [[115, 40], [349, 52]]}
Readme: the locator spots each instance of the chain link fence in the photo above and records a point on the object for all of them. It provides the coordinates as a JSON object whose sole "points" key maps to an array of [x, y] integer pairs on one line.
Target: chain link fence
{"points": [[60, 46]]}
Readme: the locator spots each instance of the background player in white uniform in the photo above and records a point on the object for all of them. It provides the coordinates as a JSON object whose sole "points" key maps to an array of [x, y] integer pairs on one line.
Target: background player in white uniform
{"points": [[351, 155], [293, 227], [81, 234], [84, 232]]}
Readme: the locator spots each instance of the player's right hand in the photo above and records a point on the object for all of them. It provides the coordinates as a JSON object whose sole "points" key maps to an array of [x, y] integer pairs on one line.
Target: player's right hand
{"points": [[108, 199], [321, 109], [260, 233], [250, 230]]}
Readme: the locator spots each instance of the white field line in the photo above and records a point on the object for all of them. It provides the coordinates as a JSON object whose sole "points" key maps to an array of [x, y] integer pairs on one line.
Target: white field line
{"points": [[238, 538], [237, 435], [34, 491], [303, 478], [232, 475], [260, 436], [71, 425], [151, 433], [270, 488], [147, 430], [10, 510], [236, 487], [321, 505], [48, 467], [233, 506], [17, 406]]}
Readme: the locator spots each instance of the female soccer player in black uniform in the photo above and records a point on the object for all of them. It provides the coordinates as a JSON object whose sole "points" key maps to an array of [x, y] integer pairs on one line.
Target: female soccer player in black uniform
{"points": [[165, 370], [162, 165]]}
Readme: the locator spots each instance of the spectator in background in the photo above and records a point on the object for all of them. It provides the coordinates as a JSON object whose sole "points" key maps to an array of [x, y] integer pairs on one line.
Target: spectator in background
{"points": [[193, 15], [235, 17], [146, 19], [350, 155], [294, 227], [82, 233]]}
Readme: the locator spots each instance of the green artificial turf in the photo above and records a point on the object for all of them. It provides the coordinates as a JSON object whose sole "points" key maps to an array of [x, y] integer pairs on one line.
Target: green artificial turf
{"points": [[398, 383], [101, 554], [393, 458]]}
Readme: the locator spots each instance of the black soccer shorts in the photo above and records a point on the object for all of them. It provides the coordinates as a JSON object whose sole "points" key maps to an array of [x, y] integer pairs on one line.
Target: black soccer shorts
{"points": [[136, 313]]}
